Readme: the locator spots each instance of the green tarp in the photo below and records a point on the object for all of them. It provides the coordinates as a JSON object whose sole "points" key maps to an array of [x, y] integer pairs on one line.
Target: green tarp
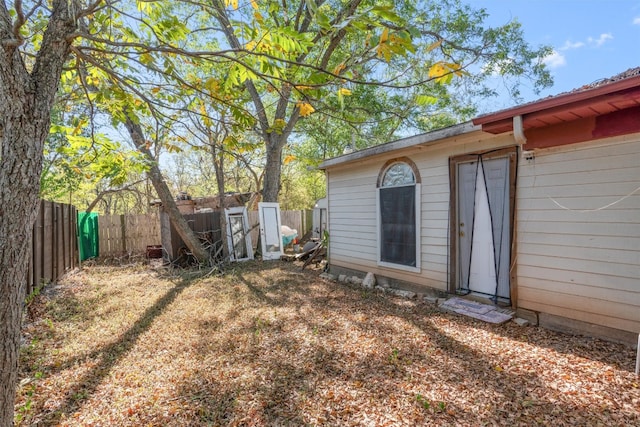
{"points": [[88, 235]]}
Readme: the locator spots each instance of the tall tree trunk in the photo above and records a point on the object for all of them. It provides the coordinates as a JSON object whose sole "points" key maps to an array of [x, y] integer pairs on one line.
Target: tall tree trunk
{"points": [[25, 118], [273, 170], [19, 203], [168, 202]]}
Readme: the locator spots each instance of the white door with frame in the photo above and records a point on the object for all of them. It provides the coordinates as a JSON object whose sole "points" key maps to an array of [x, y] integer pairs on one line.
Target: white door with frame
{"points": [[238, 236], [270, 230], [483, 224]]}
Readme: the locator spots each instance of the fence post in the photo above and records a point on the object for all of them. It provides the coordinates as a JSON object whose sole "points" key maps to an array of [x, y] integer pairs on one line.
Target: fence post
{"points": [[63, 230], [54, 241], [41, 245], [123, 229]]}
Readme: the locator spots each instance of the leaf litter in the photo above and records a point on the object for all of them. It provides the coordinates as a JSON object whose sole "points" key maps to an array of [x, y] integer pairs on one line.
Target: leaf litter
{"points": [[265, 344]]}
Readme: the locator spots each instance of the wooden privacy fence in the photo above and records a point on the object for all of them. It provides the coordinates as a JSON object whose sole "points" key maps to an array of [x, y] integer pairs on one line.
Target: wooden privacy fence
{"points": [[127, 234], [54, 247], [131, 234]]}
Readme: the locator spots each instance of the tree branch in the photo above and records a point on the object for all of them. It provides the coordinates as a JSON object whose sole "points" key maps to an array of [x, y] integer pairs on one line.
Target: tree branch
{"points": [[227, 29], [101, 194], [20, 19]]}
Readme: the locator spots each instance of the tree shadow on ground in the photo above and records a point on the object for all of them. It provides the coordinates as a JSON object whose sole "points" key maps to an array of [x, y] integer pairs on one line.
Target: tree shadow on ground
{"points": [[289, 349], [280, 372], [108, 356]]}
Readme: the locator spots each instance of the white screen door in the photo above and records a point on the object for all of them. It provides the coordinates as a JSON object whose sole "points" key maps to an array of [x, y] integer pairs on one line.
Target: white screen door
{"points": [[483, 226]]}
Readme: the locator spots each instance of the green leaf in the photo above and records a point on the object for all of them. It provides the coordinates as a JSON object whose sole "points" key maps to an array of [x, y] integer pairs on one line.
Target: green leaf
{"points": [[426, 100], [387, 13]]}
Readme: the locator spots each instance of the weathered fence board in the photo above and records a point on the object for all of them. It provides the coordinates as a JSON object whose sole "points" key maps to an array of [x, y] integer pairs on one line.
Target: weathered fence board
{"points": [[206, 225], [127, 234], [54, 246]]}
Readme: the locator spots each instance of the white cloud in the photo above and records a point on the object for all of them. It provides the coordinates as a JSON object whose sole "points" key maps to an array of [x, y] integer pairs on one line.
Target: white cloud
{"points": [[498, 68], [604, 37], [554, 60], [636, 21], [571, 45]]}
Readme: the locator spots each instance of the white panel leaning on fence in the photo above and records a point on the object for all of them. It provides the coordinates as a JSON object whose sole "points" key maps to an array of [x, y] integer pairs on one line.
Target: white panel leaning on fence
{"points": [[270, 230]]}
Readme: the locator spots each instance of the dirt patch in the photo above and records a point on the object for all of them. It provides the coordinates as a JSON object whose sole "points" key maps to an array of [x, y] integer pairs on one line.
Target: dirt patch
{"points": [[267, 344]]}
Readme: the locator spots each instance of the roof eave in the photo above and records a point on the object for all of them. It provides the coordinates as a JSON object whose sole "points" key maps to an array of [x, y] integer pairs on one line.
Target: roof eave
{"points": [[412, 141], [557, 101]]}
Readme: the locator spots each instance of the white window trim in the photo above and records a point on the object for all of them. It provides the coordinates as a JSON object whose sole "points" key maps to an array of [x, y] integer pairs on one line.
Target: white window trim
{"points": [[418, 208]]}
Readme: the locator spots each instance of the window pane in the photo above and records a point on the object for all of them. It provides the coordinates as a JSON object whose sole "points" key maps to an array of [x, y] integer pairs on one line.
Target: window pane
{"points": [[398, 225], [398, 174], [238, 236]]}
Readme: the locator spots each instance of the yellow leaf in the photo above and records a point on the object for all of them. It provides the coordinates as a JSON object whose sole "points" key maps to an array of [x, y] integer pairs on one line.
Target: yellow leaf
{"points": [[289, 159], [385, 36], [339, 69], [437, 70], [303, 87], [254, 3], [384, 50], [155, 90], [305, 109], [344, 91], [233, 3], [498, 368], [434, 45]]}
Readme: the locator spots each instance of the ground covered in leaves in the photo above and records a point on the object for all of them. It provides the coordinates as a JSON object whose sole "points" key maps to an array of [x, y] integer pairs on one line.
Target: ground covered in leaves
{"points": [[266, 344]]}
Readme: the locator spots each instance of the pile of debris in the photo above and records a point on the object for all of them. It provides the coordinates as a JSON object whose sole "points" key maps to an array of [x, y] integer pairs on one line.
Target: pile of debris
{"points": [[312, 251]]}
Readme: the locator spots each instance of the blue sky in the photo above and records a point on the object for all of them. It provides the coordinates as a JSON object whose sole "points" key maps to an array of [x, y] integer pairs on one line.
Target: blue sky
{"points": [[592, 39]]}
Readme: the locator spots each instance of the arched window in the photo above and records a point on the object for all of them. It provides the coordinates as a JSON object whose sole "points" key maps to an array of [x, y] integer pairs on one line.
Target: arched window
{"points": [[399, 215]]}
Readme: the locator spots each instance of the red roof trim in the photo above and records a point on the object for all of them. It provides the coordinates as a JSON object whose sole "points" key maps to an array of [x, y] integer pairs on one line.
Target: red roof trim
{"points": [[557, 101]]}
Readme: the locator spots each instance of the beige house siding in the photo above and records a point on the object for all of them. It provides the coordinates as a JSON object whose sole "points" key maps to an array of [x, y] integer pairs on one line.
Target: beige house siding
{"points": [[578, 257], [352, 197]]}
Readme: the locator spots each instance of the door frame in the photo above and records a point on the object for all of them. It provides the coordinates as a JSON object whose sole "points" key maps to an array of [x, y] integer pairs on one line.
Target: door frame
{"points": [[512, 154], [238, 211]]}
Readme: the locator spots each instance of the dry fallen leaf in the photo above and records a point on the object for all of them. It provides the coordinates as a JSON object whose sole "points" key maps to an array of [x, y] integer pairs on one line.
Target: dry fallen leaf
{"points": [[267, 345]]}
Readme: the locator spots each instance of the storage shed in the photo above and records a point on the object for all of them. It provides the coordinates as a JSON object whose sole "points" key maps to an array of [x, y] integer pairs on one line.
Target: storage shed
{"points": [[536, 207]]}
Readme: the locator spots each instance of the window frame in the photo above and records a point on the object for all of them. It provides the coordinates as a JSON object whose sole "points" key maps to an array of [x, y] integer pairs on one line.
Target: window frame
{"points": [[417, 206]]}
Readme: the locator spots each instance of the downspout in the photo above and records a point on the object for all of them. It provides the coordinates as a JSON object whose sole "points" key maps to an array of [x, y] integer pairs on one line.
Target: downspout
{"points": [[638, 357], [518, 131], [518, 135]]}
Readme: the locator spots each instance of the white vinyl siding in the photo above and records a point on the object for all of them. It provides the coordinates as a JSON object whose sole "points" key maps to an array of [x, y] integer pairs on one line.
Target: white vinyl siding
{"points": [[352, 209], [581, 262]]}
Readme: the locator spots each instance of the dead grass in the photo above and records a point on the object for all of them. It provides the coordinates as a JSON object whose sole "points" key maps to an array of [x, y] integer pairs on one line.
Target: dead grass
{"points": [[269, 345]]}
